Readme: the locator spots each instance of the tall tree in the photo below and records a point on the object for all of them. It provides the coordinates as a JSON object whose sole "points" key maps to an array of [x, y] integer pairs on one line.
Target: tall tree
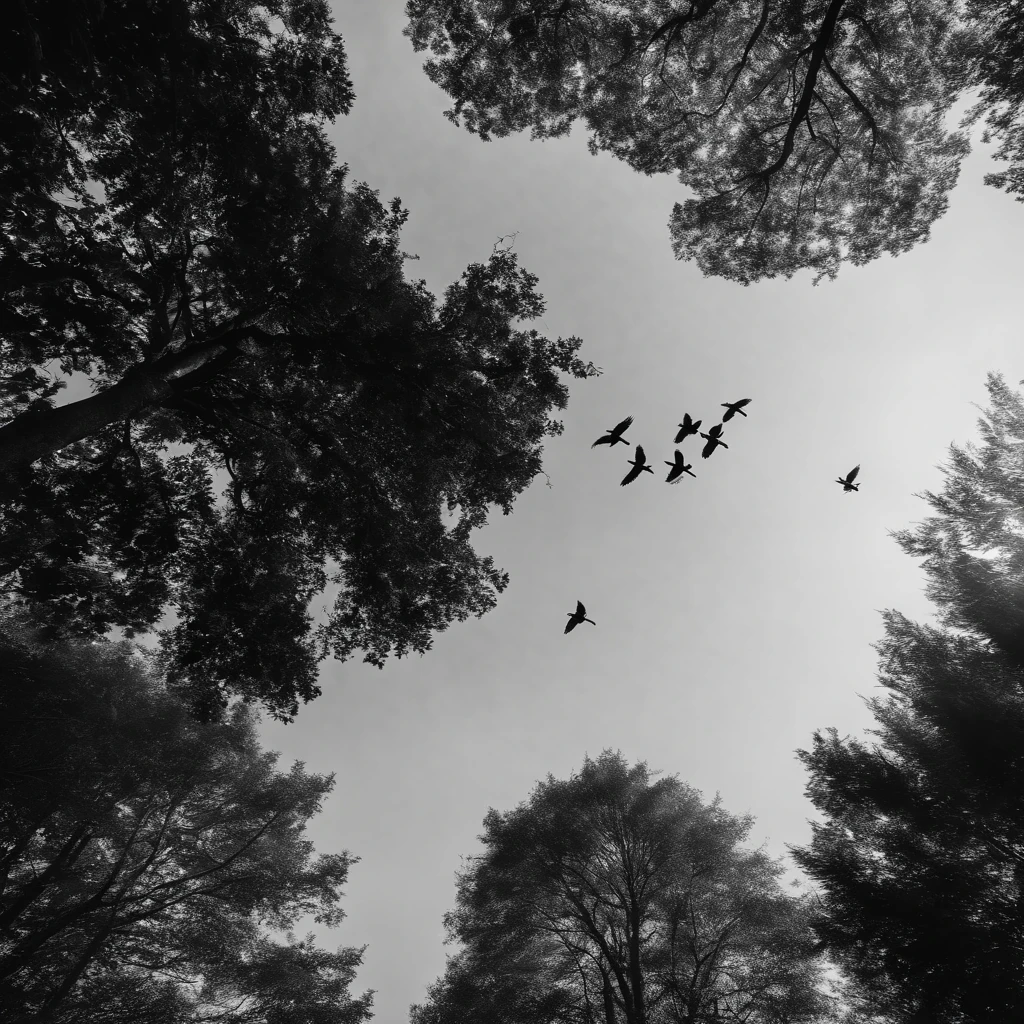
{"points": [[145, 857], [920, 854], [613, 897], [810, 133], [175, 228]]}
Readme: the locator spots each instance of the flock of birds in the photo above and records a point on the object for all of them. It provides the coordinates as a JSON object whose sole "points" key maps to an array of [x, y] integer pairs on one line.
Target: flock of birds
{"points": [[678, 466]]}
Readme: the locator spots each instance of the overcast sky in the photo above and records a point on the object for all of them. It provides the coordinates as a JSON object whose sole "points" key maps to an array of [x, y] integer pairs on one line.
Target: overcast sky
{"points": [[735, 612]]}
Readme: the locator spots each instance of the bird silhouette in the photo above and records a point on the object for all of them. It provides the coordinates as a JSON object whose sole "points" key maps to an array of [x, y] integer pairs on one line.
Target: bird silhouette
{"points": [[735, 407], [847, 482], [576, 617], [713, 438], [639, 466], [687, 427], [614, 436], [679, 467]]}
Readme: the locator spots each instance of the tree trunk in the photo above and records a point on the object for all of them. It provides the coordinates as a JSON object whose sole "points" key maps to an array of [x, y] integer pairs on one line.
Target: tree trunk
{"points": [[39, 432]]}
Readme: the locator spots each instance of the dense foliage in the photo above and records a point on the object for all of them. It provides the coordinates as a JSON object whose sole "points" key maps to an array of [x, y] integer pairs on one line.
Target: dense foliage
{"points": [[175, 229], [615, 897], [147, 860], [810, 134], [920, 857]]}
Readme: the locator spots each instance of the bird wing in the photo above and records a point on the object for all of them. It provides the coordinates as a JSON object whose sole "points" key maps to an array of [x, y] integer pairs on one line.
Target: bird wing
{"points": [[580, 610], [640, 457], [571, 625], [622, 427], [697, 424], [728, 414], [741, 403], [680, 434], [687, 422], [709, 448], [674, 474], [853, 474], [716, 430], [607, 439], [631, 476]]}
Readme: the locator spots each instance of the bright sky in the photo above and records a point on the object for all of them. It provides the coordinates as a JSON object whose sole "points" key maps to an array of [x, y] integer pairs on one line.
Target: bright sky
{"points": [[735, 612]]}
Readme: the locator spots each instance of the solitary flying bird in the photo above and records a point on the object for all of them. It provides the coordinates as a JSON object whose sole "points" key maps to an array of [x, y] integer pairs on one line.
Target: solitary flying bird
{"points": [[735, 407], [713, 438], [639, 466], [576, 617], [848, 484], [614, 436], [687, 427], [679, 467]]}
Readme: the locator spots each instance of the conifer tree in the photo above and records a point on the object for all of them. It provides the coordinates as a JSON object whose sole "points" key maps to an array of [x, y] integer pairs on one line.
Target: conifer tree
{"points": [[920, 856]]}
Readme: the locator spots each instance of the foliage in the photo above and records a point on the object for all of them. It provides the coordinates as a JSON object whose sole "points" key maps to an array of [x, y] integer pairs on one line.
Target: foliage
{"points": [[147, 859], [920, 857], [811, 134], [176, 229], [611, 897]]}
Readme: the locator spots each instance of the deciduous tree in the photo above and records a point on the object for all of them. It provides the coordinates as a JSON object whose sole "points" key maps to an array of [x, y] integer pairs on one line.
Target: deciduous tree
{"points": [[176, 230], [146, 860], [615, 897], [810, 134], [920, 853]]}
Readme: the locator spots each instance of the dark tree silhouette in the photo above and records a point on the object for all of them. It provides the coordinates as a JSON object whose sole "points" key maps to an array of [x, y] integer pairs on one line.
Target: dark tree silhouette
{"points": [[146, 859], [175, 228], [614, 897], [920, 853], [810, 134]]}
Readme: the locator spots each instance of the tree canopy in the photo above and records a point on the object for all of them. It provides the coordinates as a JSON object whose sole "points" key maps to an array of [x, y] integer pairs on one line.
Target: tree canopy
{"points": [[616, 897], [810, 134], [147, 860], [176, 230], [920, 856]]}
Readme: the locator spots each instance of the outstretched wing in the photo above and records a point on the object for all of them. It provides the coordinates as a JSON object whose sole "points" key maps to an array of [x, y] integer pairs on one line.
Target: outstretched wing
{"points": [[621, 428], [716, 430], [631, 476], [741, 403], [674, 475], [709, 448], [571, 625], [580, 610], [607, 439], [640, 457], [728, 413], [853, 474], [681, 434]]}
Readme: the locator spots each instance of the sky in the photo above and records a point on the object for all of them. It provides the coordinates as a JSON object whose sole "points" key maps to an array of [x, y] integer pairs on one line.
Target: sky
{"points": [[735, 612]]}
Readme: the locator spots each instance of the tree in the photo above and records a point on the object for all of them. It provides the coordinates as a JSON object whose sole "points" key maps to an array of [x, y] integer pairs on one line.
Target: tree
{"points": [[146, 858], [613, 897], [811, 134], [920, 856], [175, 228]]}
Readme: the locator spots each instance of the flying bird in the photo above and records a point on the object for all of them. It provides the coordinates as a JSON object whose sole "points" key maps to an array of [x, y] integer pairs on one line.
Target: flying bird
{"points": [[639, 466], [687, 427], [713, 438], [679, 467], [735, 407], [614, 436], [847, 482], [576, 617]]}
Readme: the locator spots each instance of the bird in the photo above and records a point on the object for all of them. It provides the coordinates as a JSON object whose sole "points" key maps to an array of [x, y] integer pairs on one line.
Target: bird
{"points": [[848, 484], [687, 427], [614, 436], [735, 407], [713, 438], [679, 467], [639, 466], [576, 617]]}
